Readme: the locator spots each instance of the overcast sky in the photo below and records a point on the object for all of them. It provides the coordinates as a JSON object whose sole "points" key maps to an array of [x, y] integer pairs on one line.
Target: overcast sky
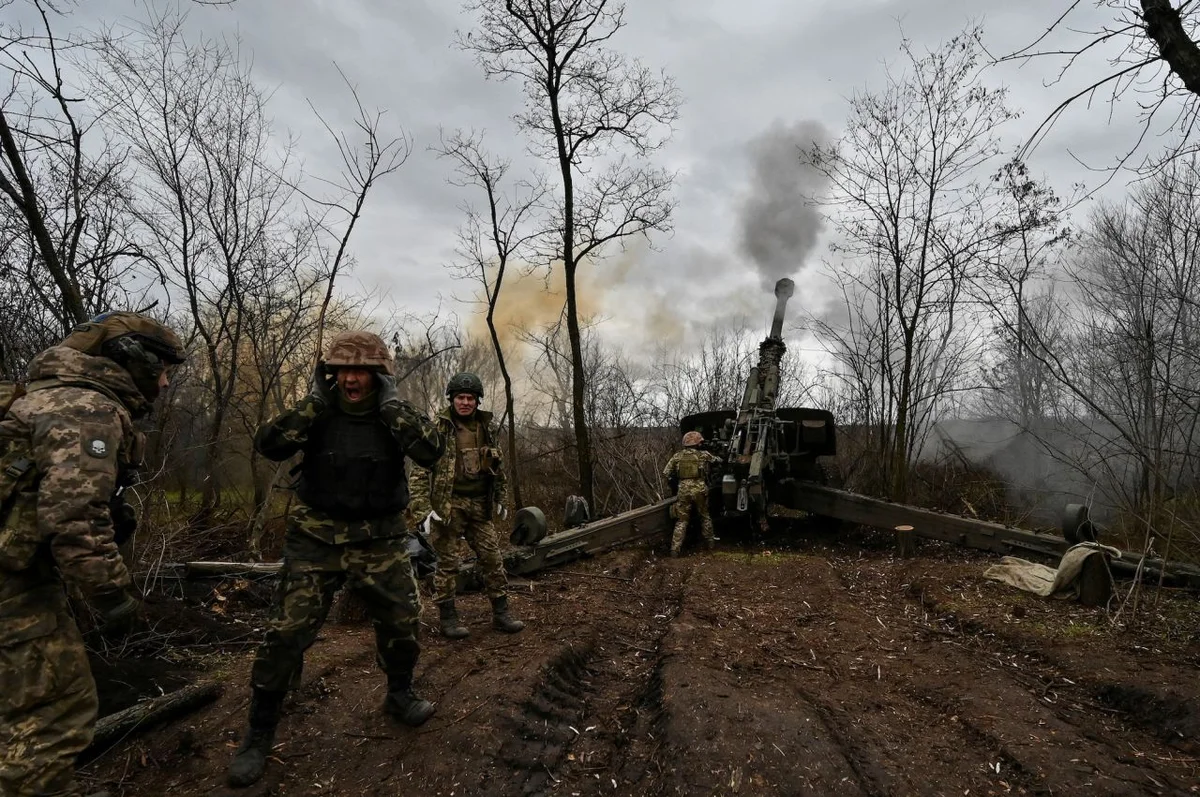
{"points": [[743, 68]]}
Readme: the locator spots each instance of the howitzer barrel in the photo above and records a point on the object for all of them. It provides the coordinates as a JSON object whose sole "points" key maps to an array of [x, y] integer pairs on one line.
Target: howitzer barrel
{"points": [[783, 291]]}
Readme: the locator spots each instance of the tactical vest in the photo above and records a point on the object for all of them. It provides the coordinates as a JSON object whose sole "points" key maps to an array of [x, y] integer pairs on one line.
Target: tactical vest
{"points": [[691, 465], [473, 461], [353, 469]]}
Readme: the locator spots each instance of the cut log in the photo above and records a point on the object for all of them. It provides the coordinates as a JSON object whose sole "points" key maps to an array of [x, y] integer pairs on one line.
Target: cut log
{"points": [[115, 727]]}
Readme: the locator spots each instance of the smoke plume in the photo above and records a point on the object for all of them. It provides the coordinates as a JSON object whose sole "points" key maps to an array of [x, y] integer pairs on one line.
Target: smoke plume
{"points": [[779, 223]]}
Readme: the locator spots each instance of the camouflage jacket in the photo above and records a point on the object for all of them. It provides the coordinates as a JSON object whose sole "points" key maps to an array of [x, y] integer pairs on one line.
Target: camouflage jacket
{"points": [[288, 434], [431, 487], [690, 460], [74, 428]]}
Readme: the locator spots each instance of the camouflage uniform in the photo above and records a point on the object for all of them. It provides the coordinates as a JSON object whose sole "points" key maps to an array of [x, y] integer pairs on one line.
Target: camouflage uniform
{"points": [[322, 553], [467, 516], [690, 466], [347, 529], [76, 427]]}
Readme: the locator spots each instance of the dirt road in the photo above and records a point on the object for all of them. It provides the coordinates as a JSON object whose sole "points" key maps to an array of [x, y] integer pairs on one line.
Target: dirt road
{"points": [[826, 669]]}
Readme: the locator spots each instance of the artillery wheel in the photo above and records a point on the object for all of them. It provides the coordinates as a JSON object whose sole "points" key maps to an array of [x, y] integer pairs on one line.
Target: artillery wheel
{"points": [[529, 526]]}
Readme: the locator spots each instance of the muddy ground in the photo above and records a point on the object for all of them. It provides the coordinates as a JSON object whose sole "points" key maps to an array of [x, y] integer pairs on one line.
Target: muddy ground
{"points": [[829, 666]]}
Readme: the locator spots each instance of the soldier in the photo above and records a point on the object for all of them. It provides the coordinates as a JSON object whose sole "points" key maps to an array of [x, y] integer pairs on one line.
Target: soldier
{"points": [[353, 431], [689, 468], [458, 497], [66, 447]]}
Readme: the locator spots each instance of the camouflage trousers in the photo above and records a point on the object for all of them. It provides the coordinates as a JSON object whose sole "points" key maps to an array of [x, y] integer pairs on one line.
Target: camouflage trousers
{"points": [[379, 571], [48, 707], [692, 496], [470, 518]]}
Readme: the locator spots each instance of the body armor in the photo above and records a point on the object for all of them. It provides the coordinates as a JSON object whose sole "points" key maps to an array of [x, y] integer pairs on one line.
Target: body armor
{"points": [[692, 465], [353, 468]]}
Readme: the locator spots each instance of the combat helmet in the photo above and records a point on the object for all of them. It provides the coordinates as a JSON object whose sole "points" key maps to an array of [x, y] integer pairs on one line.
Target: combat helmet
{"points": [[136, 342], [358, 349], [692, 439], [465, 382]]}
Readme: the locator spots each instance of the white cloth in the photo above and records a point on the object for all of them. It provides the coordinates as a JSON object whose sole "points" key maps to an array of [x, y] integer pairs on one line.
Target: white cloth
{"points": [[1046, 581]]}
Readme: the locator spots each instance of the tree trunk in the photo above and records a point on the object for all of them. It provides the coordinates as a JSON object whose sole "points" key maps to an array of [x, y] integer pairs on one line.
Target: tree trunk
{"points": [[116, 727], [583, 442], [514, 475], [1165, 27], [23, 195]]}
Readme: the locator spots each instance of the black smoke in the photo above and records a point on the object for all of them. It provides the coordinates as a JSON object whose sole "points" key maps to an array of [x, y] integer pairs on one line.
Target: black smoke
{"points": [[779, 223]]}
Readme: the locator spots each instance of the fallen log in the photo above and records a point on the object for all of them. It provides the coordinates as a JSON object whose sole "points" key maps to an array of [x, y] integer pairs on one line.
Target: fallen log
{"points": [[138, 717], [223, 569]]}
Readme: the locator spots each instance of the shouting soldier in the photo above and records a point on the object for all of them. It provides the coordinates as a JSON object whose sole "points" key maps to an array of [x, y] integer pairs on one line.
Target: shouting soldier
{"points": [[458, 497], [353, 431], [690, 468], [66, 448]]}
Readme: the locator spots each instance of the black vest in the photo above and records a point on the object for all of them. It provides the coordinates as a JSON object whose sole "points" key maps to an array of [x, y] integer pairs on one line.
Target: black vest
{"points": [[353, 469]]}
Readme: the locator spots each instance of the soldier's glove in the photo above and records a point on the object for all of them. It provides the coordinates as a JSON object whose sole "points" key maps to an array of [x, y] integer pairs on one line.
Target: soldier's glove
{"points": [[501, 511], [388, 394], [391, 406], [320, 393], [118, 614], [124, 520]]}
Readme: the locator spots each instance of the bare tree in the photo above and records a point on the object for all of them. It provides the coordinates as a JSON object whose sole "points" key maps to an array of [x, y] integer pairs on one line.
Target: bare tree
{"points": [[363, 165], [587, 105], [630, 443], [212, 197], [1152, 57], [1032, 235], [1127, 363], [713, 377], [429, 349], [913, 218], [63, 236], [487, 241]]}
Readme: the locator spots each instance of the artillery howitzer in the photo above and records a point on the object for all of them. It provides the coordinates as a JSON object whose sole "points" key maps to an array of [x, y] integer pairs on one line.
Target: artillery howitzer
{"points": [[765, 450], [772, 455]]}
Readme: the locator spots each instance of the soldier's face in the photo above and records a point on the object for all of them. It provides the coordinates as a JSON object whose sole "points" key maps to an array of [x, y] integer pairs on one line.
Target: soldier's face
{"points": [[354, 383], [465, 404]]}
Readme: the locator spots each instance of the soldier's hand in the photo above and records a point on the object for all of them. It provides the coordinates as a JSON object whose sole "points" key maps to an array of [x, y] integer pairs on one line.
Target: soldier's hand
{"points": [[427, 524], [124, 521], [389, 396], [319, 389], [501, 511], [119, 615]]}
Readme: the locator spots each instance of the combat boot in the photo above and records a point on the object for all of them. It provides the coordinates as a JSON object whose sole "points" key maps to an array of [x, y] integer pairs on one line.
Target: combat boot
{"points": [[451, 627], [251, 758], [402, 704], [501, 619]]}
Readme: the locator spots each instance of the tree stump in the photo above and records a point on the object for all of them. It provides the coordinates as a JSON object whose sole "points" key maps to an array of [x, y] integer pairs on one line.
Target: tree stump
{"points": [[906, 542]]}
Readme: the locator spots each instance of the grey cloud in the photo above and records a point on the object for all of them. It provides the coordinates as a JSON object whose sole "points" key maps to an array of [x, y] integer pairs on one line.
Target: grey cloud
{"points": [[739, 66]]}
